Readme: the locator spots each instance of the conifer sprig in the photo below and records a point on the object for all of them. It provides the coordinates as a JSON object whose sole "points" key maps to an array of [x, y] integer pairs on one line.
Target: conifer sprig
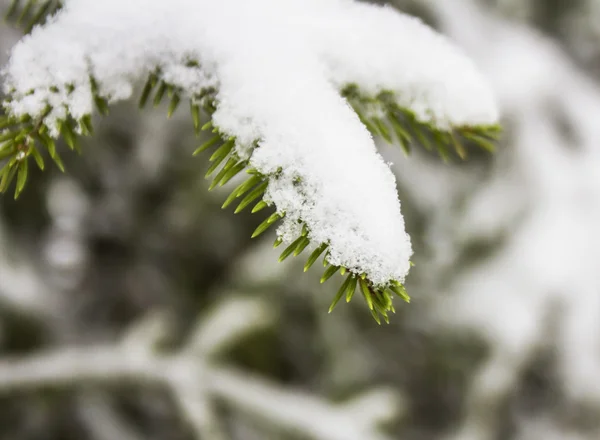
{"points": [[384, 117], [26, 137]]}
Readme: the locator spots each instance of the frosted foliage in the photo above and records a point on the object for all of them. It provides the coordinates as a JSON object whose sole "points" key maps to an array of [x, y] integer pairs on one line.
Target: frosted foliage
{"points": [[278, 66]]}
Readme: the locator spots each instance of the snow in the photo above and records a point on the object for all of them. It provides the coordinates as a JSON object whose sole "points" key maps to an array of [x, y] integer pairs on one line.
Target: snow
{"points": [[278, 66]]}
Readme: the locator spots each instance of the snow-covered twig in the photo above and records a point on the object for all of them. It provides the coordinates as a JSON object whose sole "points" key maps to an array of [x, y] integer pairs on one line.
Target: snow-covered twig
{"points": [[195, 380]]}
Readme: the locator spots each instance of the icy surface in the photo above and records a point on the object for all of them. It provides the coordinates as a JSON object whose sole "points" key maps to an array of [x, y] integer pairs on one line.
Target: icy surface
{"points": [[278, 66]]}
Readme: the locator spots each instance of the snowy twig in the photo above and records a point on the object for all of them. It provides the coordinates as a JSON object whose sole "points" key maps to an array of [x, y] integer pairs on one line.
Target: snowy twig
{"points": [[195, 380]]}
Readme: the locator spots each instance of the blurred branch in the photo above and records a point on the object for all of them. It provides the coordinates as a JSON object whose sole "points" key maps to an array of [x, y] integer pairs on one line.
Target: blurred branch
{"points": [[209, 339], [102, 420], [195, 381], [301, 412], [20, 285]]}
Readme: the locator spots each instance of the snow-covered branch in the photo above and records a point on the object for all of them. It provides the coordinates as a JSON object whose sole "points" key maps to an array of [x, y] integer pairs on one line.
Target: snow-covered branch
{"points": [[195, 379], [268, 75]]}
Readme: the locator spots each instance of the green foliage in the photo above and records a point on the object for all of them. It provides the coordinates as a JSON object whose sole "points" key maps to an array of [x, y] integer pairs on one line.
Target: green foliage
{"points": [[22, 139], [29, 13], [25, 138], [383, 117]]}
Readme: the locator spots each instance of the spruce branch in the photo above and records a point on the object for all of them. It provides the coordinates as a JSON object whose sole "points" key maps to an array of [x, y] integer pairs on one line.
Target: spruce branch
{"points": [[24, 138], [26, 135]]}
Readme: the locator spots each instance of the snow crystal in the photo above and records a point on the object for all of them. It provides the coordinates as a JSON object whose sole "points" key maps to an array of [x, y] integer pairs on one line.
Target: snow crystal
{"points": [[278, 66]]}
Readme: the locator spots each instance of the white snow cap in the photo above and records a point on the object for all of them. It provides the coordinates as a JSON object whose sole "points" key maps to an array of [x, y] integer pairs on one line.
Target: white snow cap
{"points": [[278, 66]]}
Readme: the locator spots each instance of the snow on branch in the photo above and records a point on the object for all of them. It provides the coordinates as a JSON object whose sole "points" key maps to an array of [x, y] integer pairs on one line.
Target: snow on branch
{"points": [[381, 50], [276, 78]]}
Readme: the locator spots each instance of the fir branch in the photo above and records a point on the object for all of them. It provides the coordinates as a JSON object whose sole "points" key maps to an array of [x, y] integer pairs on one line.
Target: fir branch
{"points": [[24, 138], [29, 136]]}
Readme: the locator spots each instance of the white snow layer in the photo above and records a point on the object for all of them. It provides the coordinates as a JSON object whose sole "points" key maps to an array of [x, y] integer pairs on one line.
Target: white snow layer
{"points": [[278, 66]]}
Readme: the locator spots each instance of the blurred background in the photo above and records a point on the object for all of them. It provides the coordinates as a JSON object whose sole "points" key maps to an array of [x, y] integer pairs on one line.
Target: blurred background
{"points": [[132, 307]]}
